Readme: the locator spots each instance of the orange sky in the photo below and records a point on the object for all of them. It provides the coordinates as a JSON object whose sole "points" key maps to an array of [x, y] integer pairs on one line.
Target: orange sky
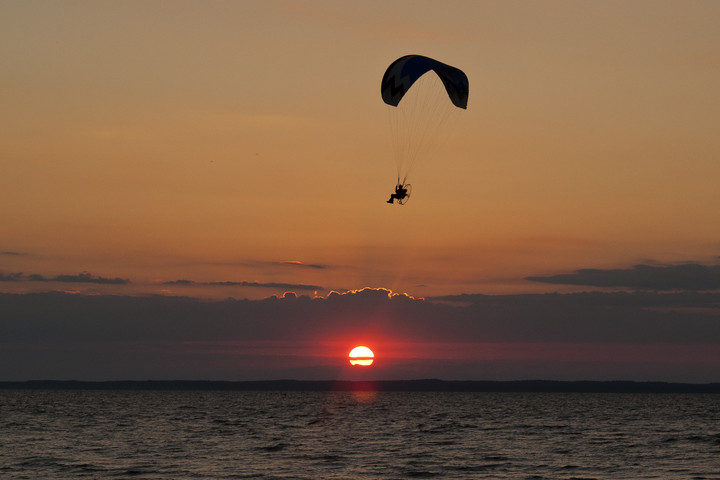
{"points": [[216, 141]]}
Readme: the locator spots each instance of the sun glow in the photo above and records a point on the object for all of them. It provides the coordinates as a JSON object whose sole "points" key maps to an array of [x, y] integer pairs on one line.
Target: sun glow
{"points": [[361, 356]]}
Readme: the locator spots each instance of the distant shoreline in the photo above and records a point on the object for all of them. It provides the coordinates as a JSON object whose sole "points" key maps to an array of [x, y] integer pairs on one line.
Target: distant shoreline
{"points": [[431, 385]]}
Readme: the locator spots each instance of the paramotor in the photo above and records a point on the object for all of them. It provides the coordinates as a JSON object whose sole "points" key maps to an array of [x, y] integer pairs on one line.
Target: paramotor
{"points": [[418, 115]]}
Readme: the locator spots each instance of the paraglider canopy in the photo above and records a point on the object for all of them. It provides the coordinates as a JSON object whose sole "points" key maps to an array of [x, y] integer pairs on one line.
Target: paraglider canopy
{"points": [[403, 72]]}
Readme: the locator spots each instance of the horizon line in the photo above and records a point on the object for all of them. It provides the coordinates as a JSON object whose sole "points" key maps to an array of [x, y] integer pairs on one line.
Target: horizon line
{"points": [[410, 385]]}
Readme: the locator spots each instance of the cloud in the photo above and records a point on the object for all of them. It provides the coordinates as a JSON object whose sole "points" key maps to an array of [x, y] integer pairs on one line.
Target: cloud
{"points": [[296, 263], [12, 254], [588, 317], [264, 264], [84, 277], [369, 294], [11, 277], [275, 285], [55, 335], [683, 277]]}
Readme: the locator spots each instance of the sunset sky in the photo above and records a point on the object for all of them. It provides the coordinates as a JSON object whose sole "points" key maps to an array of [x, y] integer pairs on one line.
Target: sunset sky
{"points": [[152, 151]]}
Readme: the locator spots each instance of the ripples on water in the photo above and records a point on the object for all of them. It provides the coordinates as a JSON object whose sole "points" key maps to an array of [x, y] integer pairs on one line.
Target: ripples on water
{"points": [[344, 435]]}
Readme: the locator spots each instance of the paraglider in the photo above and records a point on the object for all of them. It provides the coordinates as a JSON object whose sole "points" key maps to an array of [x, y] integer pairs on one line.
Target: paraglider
{"points": [[402, 193], [417, 115]]}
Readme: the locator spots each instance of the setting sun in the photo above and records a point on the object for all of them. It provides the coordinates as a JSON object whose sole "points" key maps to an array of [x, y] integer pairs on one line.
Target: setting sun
{"points": [[361, 356]]}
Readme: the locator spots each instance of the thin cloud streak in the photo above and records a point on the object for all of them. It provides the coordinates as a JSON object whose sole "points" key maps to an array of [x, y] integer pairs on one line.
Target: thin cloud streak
{"points": [[687, 277], [264, 264], [84, 277], [88, 278], [274, 285], [296, 263], [11, 277]]}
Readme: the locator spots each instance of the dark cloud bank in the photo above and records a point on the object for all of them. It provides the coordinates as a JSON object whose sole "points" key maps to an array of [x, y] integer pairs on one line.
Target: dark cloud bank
{"points": [[63, 336]]}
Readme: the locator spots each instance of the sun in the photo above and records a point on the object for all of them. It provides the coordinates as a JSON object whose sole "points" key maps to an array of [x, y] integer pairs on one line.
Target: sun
{"points": [[361, 356]]}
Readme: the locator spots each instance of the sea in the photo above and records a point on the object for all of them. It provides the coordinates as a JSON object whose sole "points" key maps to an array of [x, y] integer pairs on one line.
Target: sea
{"points": [[146, 434]]}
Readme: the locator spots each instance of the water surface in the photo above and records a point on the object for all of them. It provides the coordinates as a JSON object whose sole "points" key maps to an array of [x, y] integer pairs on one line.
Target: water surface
{"points": [[68, 434]]}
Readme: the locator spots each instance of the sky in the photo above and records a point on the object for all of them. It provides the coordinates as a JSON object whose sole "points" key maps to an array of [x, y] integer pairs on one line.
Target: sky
{"points": [[234, 159]]}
